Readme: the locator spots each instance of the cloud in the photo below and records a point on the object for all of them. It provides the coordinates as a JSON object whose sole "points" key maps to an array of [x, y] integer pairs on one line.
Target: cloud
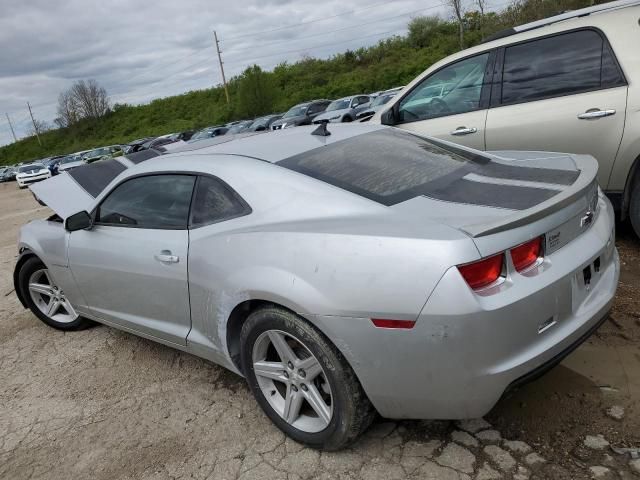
{"points": [[141, 50]]}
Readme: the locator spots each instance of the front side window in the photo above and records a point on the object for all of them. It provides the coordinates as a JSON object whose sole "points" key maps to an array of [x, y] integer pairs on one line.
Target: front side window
{"points": [[296, 111], [451, 90], [155, 201], [317, 107], [559, 65], [214, 202]]}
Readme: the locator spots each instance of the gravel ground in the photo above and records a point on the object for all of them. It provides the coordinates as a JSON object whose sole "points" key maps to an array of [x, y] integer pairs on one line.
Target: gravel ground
{"points": [[104, 404]]}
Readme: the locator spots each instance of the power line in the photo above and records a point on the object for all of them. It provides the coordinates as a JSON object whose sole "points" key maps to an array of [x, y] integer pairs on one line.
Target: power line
{"points": [[307, 22]]}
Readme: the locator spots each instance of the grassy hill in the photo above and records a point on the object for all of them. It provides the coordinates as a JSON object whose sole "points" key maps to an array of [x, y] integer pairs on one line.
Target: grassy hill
{"points": [[392, 62]]}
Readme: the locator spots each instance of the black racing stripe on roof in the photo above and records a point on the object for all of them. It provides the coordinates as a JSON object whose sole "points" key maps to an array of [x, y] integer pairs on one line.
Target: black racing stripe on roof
{"points": [[139, 157], [393, 166], [96, 176]]}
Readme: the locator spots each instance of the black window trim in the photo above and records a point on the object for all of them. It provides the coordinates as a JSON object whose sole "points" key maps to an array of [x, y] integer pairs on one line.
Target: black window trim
{"points": [[496, 93], [94, 213], [485, 93], [247, 209]]}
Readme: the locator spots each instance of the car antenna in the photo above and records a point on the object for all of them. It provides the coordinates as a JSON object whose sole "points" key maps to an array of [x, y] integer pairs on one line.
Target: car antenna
{"points": [[322, 130]]}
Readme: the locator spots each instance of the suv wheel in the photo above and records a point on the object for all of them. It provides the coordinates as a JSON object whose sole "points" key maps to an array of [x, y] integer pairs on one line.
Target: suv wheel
{"points": [[301, 380], [45, 299], [634, 207]]}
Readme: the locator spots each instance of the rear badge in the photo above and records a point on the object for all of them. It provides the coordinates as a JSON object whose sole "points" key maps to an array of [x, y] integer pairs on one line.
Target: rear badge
{"points": [[546, 325]]}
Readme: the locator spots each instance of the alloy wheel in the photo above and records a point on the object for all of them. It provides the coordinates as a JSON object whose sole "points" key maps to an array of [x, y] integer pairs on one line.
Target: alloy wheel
{"points": [[49, 299], [293, 381]]}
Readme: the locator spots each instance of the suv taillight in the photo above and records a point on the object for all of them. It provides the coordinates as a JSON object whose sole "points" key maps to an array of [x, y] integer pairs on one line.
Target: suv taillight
{"points": [[482, 273], [527, 254]]}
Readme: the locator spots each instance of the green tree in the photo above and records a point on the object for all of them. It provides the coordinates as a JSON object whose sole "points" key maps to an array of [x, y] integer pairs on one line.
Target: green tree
{"points": [[422, 30], [256, 92]]}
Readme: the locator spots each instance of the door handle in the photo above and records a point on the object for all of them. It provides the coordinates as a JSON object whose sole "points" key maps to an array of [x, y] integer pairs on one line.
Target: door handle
{"points": [[464, 131], [595, 113], [165, 257]]}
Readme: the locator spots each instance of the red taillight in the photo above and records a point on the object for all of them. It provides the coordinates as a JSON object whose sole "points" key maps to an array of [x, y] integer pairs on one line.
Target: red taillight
{"points": [[482, 273], [386, 323], [527, 254]]}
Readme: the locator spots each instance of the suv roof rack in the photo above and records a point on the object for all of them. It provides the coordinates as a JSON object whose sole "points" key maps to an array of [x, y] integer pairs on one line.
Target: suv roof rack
{"points": [[583, 12]]}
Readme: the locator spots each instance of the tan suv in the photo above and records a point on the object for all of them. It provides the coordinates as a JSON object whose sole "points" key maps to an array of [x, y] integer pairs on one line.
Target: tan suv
{"points": [[569, 83]]}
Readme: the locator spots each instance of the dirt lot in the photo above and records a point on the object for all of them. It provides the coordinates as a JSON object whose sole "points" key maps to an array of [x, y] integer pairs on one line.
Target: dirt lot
{"points": [[104, 404]]}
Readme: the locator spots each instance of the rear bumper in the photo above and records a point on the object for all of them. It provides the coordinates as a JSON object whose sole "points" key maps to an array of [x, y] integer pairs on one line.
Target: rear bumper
{"points": [[466, 350]]}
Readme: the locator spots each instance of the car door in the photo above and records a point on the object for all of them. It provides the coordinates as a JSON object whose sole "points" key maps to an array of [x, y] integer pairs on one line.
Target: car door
{"points": [[131, 267], [314, 110], [563, 93], [360, 103], [451, 103]]}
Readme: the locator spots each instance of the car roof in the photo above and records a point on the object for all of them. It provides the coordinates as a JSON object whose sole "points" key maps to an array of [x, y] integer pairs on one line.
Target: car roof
{"points": [[273, 146]]}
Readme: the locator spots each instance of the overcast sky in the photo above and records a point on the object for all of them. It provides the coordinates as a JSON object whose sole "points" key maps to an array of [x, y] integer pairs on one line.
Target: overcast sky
{"points": [[141, 50]]}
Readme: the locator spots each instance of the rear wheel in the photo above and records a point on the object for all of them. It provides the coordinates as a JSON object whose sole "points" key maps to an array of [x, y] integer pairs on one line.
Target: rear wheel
{"points": [[634, 207], [301, 380], [45, 299]]}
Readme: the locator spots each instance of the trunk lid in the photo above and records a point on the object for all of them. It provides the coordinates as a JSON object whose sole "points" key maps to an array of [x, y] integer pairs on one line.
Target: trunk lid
{"points": [[555, 194]]}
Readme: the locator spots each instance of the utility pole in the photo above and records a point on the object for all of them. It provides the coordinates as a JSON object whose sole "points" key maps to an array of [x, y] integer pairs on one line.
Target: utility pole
{"points": [[35, 128], [11, 127], [224, 80]]}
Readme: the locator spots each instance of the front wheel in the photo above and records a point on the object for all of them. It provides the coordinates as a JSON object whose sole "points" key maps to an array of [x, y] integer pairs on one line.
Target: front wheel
{"points": [[301, 381], [634, 207], [45, 299]]}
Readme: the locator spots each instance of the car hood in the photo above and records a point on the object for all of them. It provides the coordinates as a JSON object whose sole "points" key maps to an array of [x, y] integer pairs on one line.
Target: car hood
{"points": [[333, 113], [76, 190]]}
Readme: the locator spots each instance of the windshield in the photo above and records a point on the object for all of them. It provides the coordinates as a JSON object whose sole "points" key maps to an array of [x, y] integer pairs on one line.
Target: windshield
{"points": [[339, 104], [296, 111], [382, 99], [259, 121], [98, 152], [69, 159], [33, 166], [240, 127], [202, 134]]}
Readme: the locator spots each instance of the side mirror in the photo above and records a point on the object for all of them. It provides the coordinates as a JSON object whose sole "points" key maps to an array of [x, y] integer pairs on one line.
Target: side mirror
{"points": [[388, 117], [78, 221]]}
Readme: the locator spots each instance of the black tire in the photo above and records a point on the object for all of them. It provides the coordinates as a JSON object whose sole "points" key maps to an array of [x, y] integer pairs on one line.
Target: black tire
{"points": [[26, 270], [352, 410], [634, 207], [347, 119]]}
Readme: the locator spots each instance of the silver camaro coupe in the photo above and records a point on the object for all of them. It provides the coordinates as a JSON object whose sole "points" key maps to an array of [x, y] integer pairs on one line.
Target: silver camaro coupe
{"points": [[345, 272]]}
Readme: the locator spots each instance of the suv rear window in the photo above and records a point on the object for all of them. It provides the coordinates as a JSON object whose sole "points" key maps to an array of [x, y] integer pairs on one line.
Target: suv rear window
{"points": [[391, 166], [558, 65]]}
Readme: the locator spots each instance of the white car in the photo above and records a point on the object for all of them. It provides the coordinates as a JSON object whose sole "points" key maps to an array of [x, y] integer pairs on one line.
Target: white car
{"points": [[33, 172], [69, 162]]}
